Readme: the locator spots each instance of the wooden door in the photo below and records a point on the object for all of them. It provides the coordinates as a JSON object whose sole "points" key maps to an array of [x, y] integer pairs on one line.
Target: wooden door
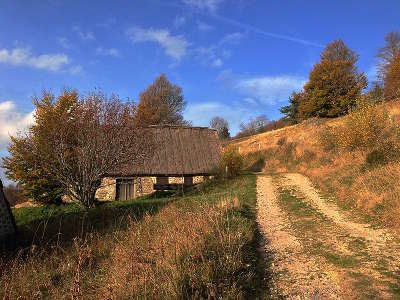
{"points": [[125, 189]]}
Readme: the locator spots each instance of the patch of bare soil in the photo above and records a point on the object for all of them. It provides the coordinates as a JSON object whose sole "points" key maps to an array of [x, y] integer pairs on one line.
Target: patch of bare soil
{"points": [[295, 274], [367, 260], [303, 184]]}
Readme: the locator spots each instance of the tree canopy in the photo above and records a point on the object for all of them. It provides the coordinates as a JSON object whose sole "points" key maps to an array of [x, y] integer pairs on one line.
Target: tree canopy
{"points": [[74, 142], [333, 87], [161, 103]]}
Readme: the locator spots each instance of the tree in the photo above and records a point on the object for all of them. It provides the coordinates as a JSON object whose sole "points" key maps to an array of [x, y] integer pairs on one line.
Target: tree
{"points": [[392, 80], [291, 111], [253, 126], [334, 84], [22, 166], [222, 127], [386, 55], [89, 137], [161, 103]]}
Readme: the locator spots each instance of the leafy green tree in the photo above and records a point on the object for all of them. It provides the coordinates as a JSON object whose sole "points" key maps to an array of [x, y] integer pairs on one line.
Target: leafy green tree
{"points": [[291, 111], [334, 83]]}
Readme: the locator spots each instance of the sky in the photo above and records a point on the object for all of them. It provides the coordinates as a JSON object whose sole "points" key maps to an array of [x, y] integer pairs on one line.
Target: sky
{"points": [[235, 59]]}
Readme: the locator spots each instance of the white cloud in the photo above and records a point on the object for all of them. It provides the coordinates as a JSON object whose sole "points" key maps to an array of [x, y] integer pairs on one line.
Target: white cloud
{"points": [[86, 36], [208, 56], [210, 5], [108, 52], [175, 46], [269, 89], [24, 57], [12, 122], [204, 26], [179, 21], [64, 42]]}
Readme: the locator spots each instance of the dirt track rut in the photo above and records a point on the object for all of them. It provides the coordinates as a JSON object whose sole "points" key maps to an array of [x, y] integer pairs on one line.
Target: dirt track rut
{"points": [[317, 251]]}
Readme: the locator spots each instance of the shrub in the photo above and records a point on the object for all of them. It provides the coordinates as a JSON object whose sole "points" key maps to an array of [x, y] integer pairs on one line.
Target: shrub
{"points": [[363, 127], [231, 163], [281, 141], [375, 158]]}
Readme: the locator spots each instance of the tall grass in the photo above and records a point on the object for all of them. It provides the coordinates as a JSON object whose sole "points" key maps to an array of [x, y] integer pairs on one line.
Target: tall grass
{"points": [[201, 246]]}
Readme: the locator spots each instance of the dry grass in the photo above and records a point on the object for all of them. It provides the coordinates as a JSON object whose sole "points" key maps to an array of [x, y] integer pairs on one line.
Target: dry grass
{"points": [[374, 190], [202, 246]]}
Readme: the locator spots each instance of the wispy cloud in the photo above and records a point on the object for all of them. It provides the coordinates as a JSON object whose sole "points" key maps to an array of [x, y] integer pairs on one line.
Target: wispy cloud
{"points": [[108, 52], [12, 121], [265, 33], [86, 36], [269, 89], [202, 26], [175, 46], [232, 38], [266, 89], [215, 55], [24, 57], [208, 5], [179, 21], [64, 42]]}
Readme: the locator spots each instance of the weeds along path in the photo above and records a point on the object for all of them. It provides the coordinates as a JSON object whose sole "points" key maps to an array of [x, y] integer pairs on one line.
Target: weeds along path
{"points": [[294, 273], [363, 262]]}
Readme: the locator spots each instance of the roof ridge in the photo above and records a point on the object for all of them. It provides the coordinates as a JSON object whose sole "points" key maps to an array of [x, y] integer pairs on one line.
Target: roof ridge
{"points": [[180, 127]]}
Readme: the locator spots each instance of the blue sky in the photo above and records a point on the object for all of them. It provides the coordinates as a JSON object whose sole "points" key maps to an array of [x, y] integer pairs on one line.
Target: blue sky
{"points": [[235, 59]]}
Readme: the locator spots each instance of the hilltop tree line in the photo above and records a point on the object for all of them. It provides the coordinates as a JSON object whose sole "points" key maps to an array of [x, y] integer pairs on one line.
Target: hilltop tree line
{"points": [[77, 138]]}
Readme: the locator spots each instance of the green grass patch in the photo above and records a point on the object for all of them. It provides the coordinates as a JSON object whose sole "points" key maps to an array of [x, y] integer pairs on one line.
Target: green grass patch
{"points": [[342, 261], [201, 245]]}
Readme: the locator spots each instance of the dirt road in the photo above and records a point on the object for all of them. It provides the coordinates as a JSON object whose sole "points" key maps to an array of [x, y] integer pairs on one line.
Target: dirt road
{"points": [[318, 251]]}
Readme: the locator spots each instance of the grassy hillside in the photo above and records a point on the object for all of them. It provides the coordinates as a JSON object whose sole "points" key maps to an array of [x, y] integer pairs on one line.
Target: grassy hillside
{"points": [[356, 182], [202, 245]]}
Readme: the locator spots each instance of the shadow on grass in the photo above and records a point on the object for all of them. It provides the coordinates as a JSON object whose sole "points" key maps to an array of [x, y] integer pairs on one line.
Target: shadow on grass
{"points": [[254, 256], [53, 226]]}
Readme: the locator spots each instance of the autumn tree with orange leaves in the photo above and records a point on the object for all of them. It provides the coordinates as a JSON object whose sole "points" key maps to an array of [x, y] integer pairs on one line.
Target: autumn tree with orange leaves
{"points": [[334, 84], [162, 103]]}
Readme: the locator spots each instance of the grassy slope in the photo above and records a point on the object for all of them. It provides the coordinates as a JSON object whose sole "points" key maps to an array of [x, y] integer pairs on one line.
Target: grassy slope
{"points": [[202, 245], [373, 191]]}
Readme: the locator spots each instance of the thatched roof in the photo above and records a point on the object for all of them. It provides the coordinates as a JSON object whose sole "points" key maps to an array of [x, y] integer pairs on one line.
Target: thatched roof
{"points": [[178, 151]]}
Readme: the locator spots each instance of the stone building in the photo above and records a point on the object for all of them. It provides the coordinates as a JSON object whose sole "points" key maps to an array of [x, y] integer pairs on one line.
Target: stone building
{"points": [[7, 222], [181, 156]]}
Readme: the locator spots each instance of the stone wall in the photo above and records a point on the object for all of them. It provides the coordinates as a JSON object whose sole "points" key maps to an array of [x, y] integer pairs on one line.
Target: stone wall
{"points": [[7, 223], [143, 185], [107, 190]]}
